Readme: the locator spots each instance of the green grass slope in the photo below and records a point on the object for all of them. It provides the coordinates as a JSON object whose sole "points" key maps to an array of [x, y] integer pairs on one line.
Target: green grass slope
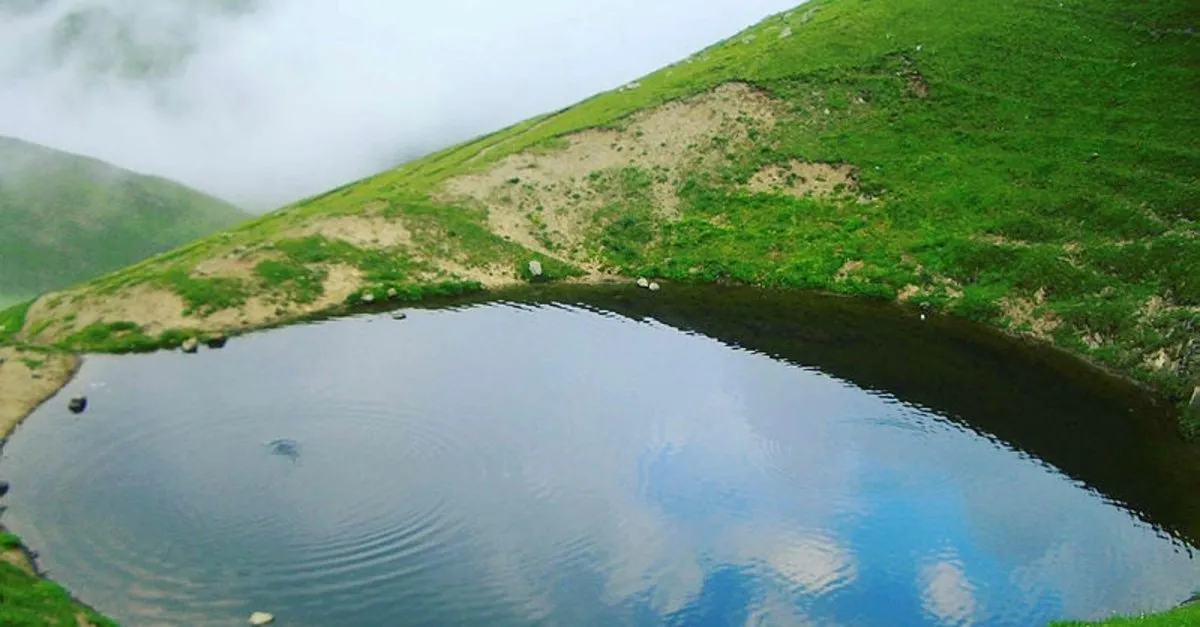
{"points": [[1028, 164], [30, 601], [67, 218]]}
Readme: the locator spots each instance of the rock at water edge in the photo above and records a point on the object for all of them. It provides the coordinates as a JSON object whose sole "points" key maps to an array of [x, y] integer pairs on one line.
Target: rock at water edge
{"points": [[77, 404], [216, 341], [643, 282], [653, 287], [262, 618], [190, 345]]}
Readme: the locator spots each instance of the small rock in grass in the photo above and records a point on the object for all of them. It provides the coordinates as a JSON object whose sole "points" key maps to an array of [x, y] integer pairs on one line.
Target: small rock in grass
{"points": [[643, 282], [190, 345], [535, 268], [368, 298], [262, 618], [392, 292]]}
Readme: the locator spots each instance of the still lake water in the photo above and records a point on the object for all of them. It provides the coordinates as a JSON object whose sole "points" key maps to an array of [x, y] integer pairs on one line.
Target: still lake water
{"points": [[699, 457]]}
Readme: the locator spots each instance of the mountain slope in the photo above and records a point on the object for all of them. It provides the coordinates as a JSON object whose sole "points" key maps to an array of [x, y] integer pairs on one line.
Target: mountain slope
{"points": [[67, 218], [1029, 164]]}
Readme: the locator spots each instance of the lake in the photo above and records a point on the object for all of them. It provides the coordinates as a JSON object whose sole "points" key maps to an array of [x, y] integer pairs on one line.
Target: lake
{"points": [[610, 456]]}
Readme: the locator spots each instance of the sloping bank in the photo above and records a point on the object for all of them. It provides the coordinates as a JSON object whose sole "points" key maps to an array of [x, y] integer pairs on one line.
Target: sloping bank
{"points": [[28, 378], [1013, 163]]}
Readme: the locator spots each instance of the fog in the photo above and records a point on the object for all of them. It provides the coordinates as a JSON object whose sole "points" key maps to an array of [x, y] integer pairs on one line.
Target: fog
{"points": [[265, 101]]}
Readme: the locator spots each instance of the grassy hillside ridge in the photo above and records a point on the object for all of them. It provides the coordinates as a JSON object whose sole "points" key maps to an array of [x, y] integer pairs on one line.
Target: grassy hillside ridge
{"points": [[68, 218], [1031, 165]]}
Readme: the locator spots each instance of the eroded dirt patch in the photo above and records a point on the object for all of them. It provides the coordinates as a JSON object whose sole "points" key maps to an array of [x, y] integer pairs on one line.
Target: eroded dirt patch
{"points": [[1027, 314], [848, 268], [156, 309], [364, 231], [232, 265], [27, 378], [803, 179], [547, 201]]}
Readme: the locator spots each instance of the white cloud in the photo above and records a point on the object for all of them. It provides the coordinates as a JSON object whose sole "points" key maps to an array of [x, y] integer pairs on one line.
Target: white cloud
{"points": [[947, 594], [298, 96]]}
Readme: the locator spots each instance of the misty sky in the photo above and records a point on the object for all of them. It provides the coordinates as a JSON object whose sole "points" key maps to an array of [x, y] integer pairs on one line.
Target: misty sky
{"points": [[284, 98]]}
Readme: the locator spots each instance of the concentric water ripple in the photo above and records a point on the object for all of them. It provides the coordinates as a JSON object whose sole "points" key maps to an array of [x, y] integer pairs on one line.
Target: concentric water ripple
{"points": [[517, 464]]}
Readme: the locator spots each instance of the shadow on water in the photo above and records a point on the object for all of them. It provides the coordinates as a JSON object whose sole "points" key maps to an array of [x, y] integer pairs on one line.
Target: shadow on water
{"points": [[1096, 428]]}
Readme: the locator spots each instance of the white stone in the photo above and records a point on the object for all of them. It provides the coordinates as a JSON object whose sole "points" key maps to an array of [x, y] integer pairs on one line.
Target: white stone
{"points": [[190, 345], [391, 292], [262, 618], [535, 268], [643, 282], [654, 287], [368, 298]]}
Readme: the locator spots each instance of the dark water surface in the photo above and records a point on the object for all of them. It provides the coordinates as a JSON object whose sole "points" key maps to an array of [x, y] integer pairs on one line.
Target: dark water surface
{"points": [[691, 457]]}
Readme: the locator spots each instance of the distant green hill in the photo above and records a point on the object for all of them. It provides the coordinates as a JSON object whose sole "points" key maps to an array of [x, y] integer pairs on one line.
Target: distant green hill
{"points": [[65, 218]]}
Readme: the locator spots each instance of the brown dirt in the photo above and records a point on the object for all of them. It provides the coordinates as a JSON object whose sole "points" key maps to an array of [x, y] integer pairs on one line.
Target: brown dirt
{"points": [[490, 276], [916, 85], [1027, 311], [661, 141], [24, 388], [231, 265], [949, 286], [17, 558], [848, 268], [364, 231], [999, 240], [908, 292], [801, 178], [157, 309], [1158, 360]]}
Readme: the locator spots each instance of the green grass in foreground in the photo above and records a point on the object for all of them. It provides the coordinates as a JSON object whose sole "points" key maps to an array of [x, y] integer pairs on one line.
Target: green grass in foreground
{"points": [[1185, 616], [30, 601]]}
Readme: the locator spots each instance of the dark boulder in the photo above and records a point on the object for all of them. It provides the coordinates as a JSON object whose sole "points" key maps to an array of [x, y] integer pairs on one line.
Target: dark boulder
{"points": [[216, 341], [3, 488], [77, 404]]}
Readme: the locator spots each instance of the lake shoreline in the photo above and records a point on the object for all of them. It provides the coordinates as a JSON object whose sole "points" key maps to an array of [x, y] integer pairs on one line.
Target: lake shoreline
{"points": [[39, 377]]}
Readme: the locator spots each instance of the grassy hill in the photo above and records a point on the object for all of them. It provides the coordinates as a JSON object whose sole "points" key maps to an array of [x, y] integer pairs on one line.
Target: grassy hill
{"points": [[1030, 164], [67, 218]]}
